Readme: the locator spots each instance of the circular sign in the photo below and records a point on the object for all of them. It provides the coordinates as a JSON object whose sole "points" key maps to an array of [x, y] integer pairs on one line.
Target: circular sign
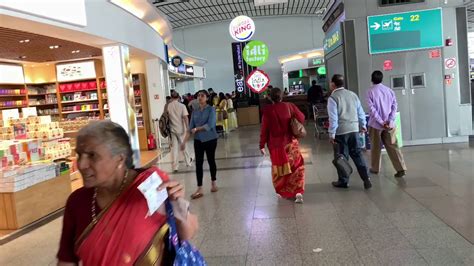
{"points": [[258, 81], [242, 28], [450, 63], [256, 53], [321, 70], [176, 61]]}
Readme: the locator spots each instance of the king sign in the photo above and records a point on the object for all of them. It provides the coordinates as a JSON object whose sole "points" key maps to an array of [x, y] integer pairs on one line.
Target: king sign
{"points": [[242, 28]]}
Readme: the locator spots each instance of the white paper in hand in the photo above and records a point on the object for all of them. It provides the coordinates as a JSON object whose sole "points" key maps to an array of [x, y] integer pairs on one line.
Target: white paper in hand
{"points": [[149, 189]]}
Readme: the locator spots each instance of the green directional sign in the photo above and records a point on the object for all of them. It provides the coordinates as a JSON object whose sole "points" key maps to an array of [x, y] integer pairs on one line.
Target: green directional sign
{"points": [[421, 29], [256, 53]]}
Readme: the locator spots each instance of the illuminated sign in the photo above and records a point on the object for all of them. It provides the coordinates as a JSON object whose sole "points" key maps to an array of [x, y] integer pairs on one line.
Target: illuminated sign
{"points": [[75, 71], [405, 31], [190, 70], [242, 28], [258, 81], [333, 38], [11, 74], [256, 53], [312, 62]]}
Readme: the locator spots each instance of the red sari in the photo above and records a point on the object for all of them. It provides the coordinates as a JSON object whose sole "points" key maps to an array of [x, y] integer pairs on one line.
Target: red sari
{"points": [[124, 235], [287, 160]]}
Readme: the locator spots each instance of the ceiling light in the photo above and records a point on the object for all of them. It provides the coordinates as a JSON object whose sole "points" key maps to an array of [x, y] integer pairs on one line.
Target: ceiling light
{"points": [[54, 47], [188, 62], [313, 54], [269, 2], [51, 47], [22, 57], [25, 41], [75, 51]]}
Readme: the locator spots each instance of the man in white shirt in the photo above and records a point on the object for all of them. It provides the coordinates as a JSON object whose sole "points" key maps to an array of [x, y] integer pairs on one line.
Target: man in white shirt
{"points": [[178, 115]]}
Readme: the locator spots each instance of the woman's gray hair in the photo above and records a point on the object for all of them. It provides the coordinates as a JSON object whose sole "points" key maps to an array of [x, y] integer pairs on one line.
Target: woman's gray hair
{"points": [[111, 134]]}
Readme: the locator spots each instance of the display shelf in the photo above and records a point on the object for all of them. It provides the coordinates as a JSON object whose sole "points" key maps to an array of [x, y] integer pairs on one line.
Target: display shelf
{"points": [[81, 111], [13, 95], [42, 104], [41, 94], [69, 92], [12, 107], [80, 101]]}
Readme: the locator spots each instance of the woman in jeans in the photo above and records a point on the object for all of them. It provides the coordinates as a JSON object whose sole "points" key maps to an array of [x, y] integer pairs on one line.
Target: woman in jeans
{"points": [[287, 161], [203, 126]]}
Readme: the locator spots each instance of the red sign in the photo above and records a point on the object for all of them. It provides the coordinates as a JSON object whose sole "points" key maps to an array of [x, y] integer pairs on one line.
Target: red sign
{"points": [[435, 53], [387, 65], [258, 81], [450, 63]]}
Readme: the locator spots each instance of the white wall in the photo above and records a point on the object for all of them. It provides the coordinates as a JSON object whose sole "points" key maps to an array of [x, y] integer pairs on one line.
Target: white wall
{"points": [[283, 35]]}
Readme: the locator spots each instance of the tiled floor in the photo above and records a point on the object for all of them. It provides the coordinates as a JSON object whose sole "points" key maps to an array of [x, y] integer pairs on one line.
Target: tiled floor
{"points": [[425, 219]]}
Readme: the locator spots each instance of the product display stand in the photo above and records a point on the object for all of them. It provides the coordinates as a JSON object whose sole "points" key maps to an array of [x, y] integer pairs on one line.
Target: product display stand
{"points": [[141, 108]]}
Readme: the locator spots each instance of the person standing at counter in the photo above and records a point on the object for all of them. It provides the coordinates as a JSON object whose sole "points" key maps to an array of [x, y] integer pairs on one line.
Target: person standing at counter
{"points": [[287, 162], [315, 93], [203, 126], [382, 109]]}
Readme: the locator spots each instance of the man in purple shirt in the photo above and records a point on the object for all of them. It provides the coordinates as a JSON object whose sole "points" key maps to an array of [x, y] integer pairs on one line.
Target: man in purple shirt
{"points": [[382, 105]]}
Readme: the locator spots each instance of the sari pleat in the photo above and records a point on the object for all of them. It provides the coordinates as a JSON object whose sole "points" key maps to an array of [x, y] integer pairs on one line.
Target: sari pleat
{"points": [[288, 170]]}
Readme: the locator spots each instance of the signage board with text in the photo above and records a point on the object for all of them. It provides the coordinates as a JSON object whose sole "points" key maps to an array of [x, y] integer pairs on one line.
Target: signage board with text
{"points": [[75, 71], [421, 29], [256, 53], [258, 81], [333, 38]]}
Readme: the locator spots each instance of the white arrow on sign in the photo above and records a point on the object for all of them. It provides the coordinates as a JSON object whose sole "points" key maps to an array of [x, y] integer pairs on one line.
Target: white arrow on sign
{"points": [[376, 26]]}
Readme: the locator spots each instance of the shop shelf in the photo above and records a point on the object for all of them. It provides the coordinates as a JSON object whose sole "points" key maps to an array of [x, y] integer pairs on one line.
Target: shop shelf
{"points": [[66, 92], [14, 95], [43, 104], [80, 101], [12, 107], [85, 111], [42, 94]]}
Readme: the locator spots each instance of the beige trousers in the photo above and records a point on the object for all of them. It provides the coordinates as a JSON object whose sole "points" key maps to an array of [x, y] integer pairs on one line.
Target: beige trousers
{"points": [[389, 139]]}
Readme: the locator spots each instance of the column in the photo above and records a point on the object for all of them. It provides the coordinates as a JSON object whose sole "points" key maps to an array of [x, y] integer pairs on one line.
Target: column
{"points": [[120, 93]]}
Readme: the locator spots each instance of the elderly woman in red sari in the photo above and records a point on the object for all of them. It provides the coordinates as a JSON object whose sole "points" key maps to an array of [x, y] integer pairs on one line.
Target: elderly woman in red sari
{"points": [[107, 222], [287, 161]]}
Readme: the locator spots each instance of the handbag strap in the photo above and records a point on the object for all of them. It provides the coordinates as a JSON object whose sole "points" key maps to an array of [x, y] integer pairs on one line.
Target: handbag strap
{"points": [[173, 234]]}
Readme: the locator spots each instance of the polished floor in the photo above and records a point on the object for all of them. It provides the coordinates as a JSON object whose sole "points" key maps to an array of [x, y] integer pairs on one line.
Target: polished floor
{"points": [[426, 218]]}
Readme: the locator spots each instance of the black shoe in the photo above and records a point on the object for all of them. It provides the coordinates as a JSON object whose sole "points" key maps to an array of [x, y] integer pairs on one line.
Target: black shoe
{"points": [[339, 185], [367, 184], [400, 174], [373, 172]]}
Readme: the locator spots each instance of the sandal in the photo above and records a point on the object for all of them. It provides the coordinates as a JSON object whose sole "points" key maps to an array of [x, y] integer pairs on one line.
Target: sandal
{"points": [[214, 189], [197, 195]]}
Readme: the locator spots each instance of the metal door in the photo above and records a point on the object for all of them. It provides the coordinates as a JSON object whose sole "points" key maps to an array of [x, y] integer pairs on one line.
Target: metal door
{"points": [[402, 93], [427, 107]]}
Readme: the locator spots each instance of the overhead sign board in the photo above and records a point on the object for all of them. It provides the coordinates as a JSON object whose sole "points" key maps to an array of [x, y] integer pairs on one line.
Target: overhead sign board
{"points": [[421, 29], [258, 81], [333, 38], [11, 74], [75, 71], [313, 62], [242, 28], [256, 53]]}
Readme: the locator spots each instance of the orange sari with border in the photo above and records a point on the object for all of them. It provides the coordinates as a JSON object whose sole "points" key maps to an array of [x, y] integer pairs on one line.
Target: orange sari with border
{"points": [[123, 234], [288, 170]]}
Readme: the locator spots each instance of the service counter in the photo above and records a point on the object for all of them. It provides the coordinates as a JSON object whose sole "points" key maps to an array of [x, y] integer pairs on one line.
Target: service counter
{"points": [[300, 101], [248, 116]]}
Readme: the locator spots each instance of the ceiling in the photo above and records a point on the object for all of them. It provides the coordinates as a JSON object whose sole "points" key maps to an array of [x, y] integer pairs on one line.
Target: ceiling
{"points": [[194, 12], [37, 49], [470, 16]]}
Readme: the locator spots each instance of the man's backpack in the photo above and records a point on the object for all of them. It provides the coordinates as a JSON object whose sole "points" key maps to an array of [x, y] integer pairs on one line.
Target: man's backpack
{"points": [[164, 124]]}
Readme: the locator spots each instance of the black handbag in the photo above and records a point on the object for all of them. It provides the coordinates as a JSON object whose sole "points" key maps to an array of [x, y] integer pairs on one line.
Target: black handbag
{"points": [[341, 163]]}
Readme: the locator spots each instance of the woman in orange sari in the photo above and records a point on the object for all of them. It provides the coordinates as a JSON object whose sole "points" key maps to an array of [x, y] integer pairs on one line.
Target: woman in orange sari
{"points": [[106, 222], [287, 161]]}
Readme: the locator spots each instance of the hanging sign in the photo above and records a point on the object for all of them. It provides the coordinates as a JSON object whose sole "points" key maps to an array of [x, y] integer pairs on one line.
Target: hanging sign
{"points": [[256, 53], [242, 28], [387, 65], [176, 61], [258, 81], [449, 63], [75, 71]]}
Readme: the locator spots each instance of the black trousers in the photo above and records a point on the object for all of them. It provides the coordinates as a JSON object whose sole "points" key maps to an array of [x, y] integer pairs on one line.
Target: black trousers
{"points": [[349, 146], [208, 147]]}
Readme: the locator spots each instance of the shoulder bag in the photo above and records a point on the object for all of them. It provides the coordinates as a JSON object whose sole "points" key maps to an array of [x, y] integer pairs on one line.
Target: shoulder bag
{"points": [[297, 128], [186, 254]]}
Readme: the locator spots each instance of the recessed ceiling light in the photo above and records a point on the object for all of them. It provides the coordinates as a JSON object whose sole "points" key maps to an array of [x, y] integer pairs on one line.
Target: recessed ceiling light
{"points": [[75, 51], [54, 47], [51, 47], [22, 57], [25, 41]]}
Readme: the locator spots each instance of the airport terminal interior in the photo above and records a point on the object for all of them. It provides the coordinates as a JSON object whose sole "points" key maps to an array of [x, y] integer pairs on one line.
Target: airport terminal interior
{"points": [[250, 132]]}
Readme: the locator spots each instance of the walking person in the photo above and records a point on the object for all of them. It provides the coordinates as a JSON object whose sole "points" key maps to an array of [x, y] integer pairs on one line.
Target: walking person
{"points": [[346, 121], [203, 126], [382, 105], [287, 161], [178, 115], [232, 114]]}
